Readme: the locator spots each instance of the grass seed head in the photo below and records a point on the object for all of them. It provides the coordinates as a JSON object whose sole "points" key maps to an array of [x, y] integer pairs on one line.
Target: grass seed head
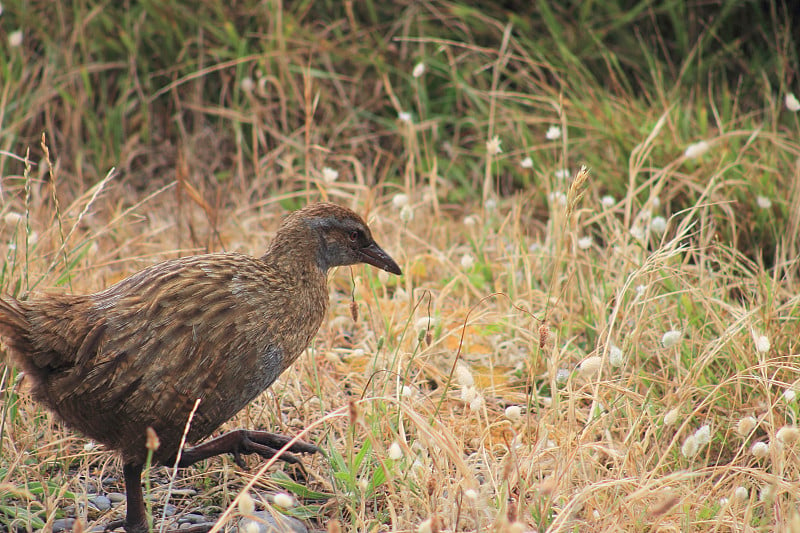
{"points": [[246, 504], [746, 425], [152, 443], [671, 417], [284, 500], [788, 435], [760, 450]]}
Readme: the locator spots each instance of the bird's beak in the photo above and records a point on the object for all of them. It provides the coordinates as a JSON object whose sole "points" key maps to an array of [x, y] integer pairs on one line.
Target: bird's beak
{"points": [[375, 256]]}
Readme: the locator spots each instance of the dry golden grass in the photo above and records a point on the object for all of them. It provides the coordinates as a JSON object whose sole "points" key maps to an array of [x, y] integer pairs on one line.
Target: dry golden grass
{"points": [[589, 448]]}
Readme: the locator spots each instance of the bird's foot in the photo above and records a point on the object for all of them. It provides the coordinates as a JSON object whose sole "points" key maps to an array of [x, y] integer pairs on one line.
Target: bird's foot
{"points": [[244, 442]]}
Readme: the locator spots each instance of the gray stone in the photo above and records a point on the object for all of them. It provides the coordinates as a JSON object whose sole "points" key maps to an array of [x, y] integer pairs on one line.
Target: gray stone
{"points": [[116, 497], [101, 503], [269, 523], [187, 525], [63, 524], [192, 518]]}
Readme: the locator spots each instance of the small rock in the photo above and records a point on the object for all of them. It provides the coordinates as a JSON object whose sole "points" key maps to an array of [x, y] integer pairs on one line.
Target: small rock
{"points": [[101, 503], [187, 525], [269, 523], [183, 492], [63, 524], [116, 497], [192, 518], [169, 510]]}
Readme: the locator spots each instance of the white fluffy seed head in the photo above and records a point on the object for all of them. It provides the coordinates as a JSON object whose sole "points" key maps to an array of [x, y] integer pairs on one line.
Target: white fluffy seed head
{"points": [[590, 366], [283, 500], [329, 175], [246, 504], [788, 435], [395, 452], [399, 200], [464, 376], [247, 84], [760, 450], [741, 494], [615, 356], [468, 394], [703, 435], [608, 201], [671, 338], [584, 243], [746, 425], [696, 149], [658, 224], [408, 392], [493, 145], [563, 173], [762, 344], [407, 213], [792, 103], [476, 403], [513, 412], [690, 447], [471, 495], [671, 417], [15, 39], [251, 526]]}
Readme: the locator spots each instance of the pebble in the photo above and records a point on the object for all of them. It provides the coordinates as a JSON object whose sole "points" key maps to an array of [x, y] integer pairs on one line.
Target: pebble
{"points": [[269, 523], [101, 503], [192, 518], [187, 525], [116, 497], [63, 524], [183, 492]]}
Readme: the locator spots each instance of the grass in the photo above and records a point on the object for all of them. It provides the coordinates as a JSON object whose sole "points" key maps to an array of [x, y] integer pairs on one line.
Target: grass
{"points": [[173, 129]]}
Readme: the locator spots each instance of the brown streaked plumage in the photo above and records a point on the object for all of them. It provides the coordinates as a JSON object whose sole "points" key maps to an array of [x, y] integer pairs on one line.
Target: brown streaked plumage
{"points": [[219, 327]]}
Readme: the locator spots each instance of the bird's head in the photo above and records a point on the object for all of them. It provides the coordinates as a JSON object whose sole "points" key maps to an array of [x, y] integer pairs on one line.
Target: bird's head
{"points": [[342, 237]]}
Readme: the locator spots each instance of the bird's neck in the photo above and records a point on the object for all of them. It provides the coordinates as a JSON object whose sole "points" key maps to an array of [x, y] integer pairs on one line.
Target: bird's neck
{"points": [[294, 252]]}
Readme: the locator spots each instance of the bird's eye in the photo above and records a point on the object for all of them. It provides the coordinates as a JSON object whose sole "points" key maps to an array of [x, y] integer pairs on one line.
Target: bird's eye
{"points": [[353, 236]]}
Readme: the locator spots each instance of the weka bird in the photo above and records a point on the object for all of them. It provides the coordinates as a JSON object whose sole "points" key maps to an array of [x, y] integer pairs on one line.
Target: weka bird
{"points": [[218, 327]]}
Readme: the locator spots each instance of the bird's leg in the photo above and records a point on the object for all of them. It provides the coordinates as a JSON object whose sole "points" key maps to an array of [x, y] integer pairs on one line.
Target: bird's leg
{"points": [[136, 516], [242, 442]]}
